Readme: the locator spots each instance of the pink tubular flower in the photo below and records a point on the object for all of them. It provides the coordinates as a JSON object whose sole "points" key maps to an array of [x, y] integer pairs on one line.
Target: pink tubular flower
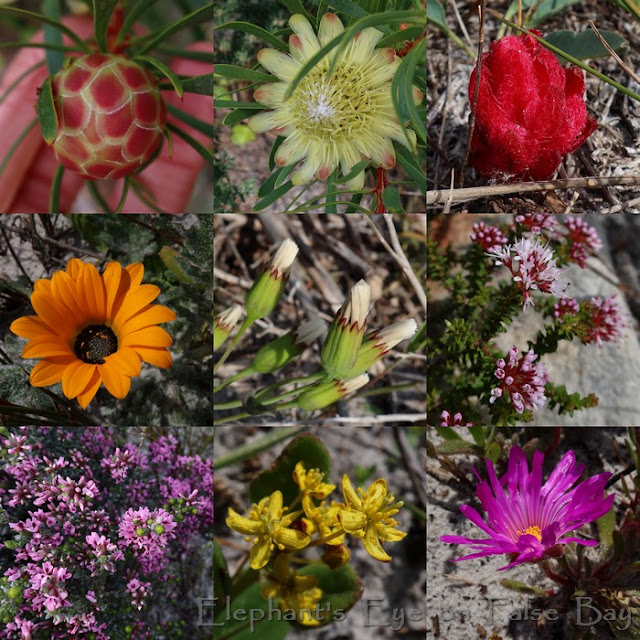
{"points": [[536, 223], [489, 238], [139, 592], [528, 519], [565, 306], [533, 267], [47, 586], [607, 321], [522, 379], [582, 238], [456, 421]]}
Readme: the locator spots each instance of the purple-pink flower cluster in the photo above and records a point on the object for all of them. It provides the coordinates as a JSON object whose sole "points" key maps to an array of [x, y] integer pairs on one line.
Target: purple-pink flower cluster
{"points": [[564, 307], [583, 238], [536, 223], [488, 237], [522, 379], [607, 323], [453, 421], [146, 532]]}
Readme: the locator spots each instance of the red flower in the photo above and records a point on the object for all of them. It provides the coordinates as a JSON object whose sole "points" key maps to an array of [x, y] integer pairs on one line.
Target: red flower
{"points": [[530, 114]]}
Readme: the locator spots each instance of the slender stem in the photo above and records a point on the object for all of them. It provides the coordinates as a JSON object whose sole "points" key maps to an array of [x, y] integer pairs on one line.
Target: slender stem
{"points": [[242, 374], [275, 385], [237, 416], [245, 325], [233, 404]]}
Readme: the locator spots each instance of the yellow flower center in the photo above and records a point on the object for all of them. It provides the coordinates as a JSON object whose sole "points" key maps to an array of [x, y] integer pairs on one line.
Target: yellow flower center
{"points": [[532, 531], [94, 343], [336, 107]]}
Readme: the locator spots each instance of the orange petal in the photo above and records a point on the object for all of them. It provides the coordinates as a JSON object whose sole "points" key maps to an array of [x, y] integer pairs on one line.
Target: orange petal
{"points": [[46, 348], [90, 390], [136, 271], [153, 336], [51, 311], [111, 278], [91, 289], [76, 378], [136, 301], [74, 268], [30, 327], [126, 360], [158, 357], [48, 372], [154, 314], [64, 289], [116, 382]]}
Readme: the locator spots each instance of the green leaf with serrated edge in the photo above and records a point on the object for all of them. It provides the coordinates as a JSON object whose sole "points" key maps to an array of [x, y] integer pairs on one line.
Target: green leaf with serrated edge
{"points": [[273, 196], [307, 449], [586, 45], [53, 36], [606, 525], [254, 30], [152, 40], [410, 33], [47, 115], [549, 8], [391, 200], [171, 76], [341, 589], [237, 116], [240, 73], [102, 10], [221, 578], [436, 15], [409, 164]]}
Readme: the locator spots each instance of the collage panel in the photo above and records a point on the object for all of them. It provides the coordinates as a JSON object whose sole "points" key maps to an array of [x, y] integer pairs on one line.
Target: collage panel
{"points": [[106, 320], [319, 532], [106, 107], [532, 533], [106, 533], [320, 106], [533, 319], [337, 300]]}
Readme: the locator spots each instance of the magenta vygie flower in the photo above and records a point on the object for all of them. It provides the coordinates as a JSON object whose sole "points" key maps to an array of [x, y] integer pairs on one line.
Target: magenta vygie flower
{"points": [[522, 379], [453, 421], [528, 519], [582, 238], [533, 267], [489, 238]]}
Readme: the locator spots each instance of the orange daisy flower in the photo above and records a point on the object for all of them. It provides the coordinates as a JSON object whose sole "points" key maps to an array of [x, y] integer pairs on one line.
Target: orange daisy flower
{"points": [[92, 329]]}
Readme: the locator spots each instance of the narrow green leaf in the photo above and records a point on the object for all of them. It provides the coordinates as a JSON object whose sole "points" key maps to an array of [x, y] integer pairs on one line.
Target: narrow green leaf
{"points": [[586, 45], [254, 30], [47, 112], [330, 207], [232, 104], [286, 172], [199, 15], [196, 123], [53, 36], [198, 84], [237, 116], [355, 202], [295, 6], [102, 10], [269, 184], [436, 15], [97, 196], [274, 148], [391, 200], [132, 15], [16, 144], [273, 196], [410, 165], [410, 33], [402, 93], [201, 149], [349, 8], [56, 187], [172, 77], [549, 8], [240, 73], [355, 170], [44, 19], [123, 197]]}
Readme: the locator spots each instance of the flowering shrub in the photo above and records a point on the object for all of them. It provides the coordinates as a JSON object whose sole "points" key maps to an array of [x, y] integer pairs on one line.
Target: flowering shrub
{"points": [[92, 526], [516, 268]]}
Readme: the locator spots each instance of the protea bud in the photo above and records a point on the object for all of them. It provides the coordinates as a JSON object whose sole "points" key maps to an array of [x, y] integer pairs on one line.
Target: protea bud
{"points": [[530, 114], [111, 116]]}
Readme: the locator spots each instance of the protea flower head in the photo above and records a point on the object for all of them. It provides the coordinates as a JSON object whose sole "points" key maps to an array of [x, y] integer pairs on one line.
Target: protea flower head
{"points": [[528, 519], [530, 111], [111, 116], [332, 120]]}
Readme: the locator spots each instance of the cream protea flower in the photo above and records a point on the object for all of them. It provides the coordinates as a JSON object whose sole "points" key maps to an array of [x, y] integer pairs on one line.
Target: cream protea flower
{"points": [[332, 120]]}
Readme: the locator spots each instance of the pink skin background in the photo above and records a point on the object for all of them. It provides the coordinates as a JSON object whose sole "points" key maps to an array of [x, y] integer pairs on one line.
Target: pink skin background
{"points": [[25, 183]]}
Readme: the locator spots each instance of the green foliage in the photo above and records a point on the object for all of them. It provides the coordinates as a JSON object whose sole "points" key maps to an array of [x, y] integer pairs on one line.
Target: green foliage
{"points": [[568, 402], [586, 45]]}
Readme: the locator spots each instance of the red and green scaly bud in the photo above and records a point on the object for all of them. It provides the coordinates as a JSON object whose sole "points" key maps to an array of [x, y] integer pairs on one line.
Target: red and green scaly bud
{"points": [[111, 116], [340, 349], [326, 393], [224, 323], [376, 343], [265, 292], [282, 350]]}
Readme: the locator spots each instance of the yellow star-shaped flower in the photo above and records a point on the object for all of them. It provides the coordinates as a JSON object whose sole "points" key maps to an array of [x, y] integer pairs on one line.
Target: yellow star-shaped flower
{"points": [[368, 515], [310, 482], [268, 527]]}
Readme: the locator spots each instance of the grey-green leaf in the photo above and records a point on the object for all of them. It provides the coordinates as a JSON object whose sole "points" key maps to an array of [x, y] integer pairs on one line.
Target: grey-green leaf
{"points": [[102, 10], [47, 113], [586, 45]]}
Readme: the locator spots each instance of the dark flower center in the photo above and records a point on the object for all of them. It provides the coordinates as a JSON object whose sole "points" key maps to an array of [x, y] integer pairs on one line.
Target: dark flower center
{"points": [[94, 343]]}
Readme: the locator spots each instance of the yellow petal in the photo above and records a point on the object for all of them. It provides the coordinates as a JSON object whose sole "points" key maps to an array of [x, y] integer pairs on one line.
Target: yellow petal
{"points": [[389, 533], [352, 521], [375, 495], [350, 496], [52, 312], [30, 327], [74, 268], [262, 122], [279, 64], [111, 278], [373, 547], [136, 301], [330, 27], [135, 271], [260, 553], [270, 94], [243, 525], [275, 505], [303, 44], [153, 336], [46, 348], [291, 539], [126, 360], [154, 314], [63, 288], [91, 289]]}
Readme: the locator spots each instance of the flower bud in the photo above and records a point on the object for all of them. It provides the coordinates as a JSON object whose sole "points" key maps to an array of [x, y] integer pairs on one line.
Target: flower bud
{"points": [[530, 111], [265, 293], [377, 343], [340, 349], [284, 349], [326, 393], [336, 556], [224, 323]]}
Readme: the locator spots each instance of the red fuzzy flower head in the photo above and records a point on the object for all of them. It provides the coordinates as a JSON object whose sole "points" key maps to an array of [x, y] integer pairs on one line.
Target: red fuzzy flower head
{"points": [[530, 113]]}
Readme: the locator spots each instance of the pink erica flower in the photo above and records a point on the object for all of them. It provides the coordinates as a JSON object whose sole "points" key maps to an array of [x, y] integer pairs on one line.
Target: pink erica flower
{"points": [[529, 520], [533, 267], [583, 239], [522, 379], [564, 307], [489, 238], [455, 421], [607, 321]]}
